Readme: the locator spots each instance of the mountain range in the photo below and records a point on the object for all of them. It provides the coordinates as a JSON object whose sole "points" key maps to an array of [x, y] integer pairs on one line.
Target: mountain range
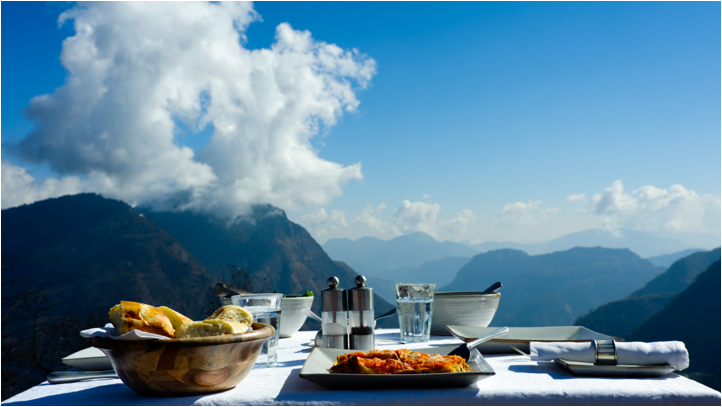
{"points": [[375, 257], [666, 260], [398, 258], [621, 316], [693, 317], [683, 304], [553, 289], [643, 244]]}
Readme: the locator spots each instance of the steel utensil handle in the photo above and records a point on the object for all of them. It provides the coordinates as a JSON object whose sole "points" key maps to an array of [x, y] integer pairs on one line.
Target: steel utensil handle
{"points": [[386, 314], [307, 312], [492, 288], [74, 376], [491, 335]]}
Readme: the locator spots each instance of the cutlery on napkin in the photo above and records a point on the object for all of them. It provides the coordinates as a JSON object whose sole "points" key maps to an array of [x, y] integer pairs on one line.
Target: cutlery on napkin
{"points": [[673, 353]]}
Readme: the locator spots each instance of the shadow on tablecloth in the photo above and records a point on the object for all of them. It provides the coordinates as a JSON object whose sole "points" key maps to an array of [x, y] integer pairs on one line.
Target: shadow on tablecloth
{"points": [[112, 394]]}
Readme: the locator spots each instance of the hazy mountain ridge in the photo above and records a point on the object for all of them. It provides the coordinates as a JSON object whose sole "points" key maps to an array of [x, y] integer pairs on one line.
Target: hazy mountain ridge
{"points": [[620, 317], [644, 244], [667, 260], [693, 317], [375, 256], [617, 318], [553, 289], [680, 274]]}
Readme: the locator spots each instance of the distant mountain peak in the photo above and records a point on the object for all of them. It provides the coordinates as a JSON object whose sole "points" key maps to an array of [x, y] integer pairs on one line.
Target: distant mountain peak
{"points": [[420, 237], [371, 255], [641, 243]]}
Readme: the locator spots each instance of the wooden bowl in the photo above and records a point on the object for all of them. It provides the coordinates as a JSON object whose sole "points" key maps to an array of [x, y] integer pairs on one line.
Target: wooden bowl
{"points": [[184, 367]]}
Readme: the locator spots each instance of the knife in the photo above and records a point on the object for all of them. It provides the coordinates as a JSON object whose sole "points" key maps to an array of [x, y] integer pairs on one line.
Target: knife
{"points": [[70, 376]]}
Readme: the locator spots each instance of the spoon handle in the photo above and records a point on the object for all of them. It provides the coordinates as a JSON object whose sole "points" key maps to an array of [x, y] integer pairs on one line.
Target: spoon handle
{"points": [[491, 335], [386, 314], [492, 288], [307, 312]]}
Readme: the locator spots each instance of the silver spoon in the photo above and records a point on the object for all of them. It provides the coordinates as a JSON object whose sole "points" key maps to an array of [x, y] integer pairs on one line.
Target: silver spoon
{"points": [[465, 350]]}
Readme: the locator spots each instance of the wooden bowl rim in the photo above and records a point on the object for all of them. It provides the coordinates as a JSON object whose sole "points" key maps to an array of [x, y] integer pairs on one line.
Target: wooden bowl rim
{"points": [[260, 331]]}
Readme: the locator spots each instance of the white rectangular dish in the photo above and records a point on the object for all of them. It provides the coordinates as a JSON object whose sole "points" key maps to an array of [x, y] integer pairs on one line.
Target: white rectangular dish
{"points": [[316, 370], [520, 337]]}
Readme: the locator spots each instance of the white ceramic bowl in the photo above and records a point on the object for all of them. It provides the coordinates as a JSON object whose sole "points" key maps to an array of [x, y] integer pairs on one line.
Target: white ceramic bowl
{"points": [[462, 308], [291, 317]]}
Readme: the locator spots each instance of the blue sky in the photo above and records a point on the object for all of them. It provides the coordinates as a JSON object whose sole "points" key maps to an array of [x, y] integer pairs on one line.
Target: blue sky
{"points": [[489, 119]]}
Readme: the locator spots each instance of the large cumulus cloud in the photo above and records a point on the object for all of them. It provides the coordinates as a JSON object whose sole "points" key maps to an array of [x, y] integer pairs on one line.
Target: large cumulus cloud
{"points": [[141, 72], [650, 208]]}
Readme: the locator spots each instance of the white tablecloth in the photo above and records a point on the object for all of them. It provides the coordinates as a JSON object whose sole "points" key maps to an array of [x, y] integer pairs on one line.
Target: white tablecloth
{"points": [[518, 381]]}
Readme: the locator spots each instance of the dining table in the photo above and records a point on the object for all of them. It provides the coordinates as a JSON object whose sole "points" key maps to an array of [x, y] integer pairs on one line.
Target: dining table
{"points": [[516, 381]]}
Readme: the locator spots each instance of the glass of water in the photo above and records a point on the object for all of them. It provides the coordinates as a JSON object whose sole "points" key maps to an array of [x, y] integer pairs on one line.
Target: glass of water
{"points": [[414, 305], [266, 309]]}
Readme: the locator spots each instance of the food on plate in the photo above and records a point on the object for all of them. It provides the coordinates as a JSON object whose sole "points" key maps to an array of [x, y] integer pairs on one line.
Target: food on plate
{"points": [[128, 316], [210, 327], [233, 313], [401, 361], [176, 318]]}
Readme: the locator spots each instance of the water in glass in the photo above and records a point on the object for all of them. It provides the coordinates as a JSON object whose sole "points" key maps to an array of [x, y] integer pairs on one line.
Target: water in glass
{"points": [[414, 318], [270, 316]]}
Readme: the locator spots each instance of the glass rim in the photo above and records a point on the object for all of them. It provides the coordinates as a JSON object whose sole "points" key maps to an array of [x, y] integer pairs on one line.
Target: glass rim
{"points": [[415, 284]]}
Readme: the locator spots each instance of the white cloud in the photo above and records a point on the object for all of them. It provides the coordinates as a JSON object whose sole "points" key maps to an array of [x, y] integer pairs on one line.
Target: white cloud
{"points": [[421, 217], [324, 224], [369, 218], [458, 225], [408, 218], [19, 187], [518, 213], [416, 217], [577, 197], [650, 208], [136, 69]]}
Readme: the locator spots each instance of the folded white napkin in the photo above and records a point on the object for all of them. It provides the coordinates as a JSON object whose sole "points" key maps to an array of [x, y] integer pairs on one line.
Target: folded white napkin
{"points": [[108, 331], [628, 353]]}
